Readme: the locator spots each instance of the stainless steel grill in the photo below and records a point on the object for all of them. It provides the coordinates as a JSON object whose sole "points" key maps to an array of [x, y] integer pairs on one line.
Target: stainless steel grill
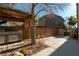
{"points": [[10, 36]]}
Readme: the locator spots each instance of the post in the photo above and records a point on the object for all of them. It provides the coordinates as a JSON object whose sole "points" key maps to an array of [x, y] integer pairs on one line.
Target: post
{"points": [[77, 5]]}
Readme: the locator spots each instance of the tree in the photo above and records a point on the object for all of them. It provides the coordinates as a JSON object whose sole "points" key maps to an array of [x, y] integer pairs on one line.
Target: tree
{"points": [[42, 7], [72, 21], [36, 8]]}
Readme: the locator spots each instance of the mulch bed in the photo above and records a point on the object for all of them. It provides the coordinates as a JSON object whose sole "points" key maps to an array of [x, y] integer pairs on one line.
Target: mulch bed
{"points": [[33, 48]]}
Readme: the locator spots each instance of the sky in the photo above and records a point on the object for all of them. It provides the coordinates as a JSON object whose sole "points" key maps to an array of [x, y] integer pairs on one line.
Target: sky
{"points": [[70, 11]]}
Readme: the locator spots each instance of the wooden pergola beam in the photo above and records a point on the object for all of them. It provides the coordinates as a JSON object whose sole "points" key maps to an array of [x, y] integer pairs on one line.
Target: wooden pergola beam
{"points": [[11, 19]]}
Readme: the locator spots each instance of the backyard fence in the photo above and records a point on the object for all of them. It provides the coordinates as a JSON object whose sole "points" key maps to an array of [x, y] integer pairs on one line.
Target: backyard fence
{"points": [[45, 32]]}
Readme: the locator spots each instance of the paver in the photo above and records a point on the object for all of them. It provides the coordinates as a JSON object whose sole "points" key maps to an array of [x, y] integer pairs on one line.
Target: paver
{"points": [[44, 52], [53, 43]]}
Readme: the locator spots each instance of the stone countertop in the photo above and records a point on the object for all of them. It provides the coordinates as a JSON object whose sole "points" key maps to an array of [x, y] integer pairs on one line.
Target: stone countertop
{"points": [[10, 32]]}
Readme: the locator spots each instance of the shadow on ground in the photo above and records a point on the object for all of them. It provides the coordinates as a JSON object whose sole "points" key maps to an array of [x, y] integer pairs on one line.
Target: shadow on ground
{"points": [[59, 36], [69, 48]]}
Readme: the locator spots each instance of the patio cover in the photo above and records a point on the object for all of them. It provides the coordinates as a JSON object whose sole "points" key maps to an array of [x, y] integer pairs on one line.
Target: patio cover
{"points": [[15, 15], [12, 14]]}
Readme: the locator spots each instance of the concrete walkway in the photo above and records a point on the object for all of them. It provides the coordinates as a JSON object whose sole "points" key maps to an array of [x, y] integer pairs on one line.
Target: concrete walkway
{"points": [[60, 46]]}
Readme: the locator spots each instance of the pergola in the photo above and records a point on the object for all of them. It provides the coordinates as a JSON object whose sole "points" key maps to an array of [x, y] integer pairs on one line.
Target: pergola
{"points": [[11, 14]]}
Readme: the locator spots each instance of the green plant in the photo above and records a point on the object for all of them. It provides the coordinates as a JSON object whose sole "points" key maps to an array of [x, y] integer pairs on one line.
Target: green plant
{"points": [[23, 50], [72, 21]]}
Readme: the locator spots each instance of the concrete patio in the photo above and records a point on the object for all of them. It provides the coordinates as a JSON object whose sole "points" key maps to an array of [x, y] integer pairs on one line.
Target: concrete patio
{"points": [[60, 46]]}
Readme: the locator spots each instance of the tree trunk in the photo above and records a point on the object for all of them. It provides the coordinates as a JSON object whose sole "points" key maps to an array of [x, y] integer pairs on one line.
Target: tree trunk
{"points": [[33, 27], [33, 32]]}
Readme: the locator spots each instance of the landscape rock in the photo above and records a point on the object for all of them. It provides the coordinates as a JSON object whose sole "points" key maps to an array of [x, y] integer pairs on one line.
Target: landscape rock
{"points": [[17, 54]]}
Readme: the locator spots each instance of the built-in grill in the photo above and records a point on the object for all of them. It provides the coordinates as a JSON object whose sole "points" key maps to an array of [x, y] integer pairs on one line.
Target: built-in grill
{"points": [[9, 34], [10, 37]]}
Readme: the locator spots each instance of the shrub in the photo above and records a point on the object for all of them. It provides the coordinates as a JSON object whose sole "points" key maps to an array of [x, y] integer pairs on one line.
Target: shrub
{"points": [[23, 50]]}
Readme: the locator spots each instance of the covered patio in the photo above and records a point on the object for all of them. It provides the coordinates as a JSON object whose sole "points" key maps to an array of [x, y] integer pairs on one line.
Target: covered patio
{"points": [[18, 31]]}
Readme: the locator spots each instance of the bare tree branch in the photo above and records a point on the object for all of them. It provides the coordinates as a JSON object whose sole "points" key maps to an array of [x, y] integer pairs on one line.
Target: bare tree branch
{"points": [[39, 12]]}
